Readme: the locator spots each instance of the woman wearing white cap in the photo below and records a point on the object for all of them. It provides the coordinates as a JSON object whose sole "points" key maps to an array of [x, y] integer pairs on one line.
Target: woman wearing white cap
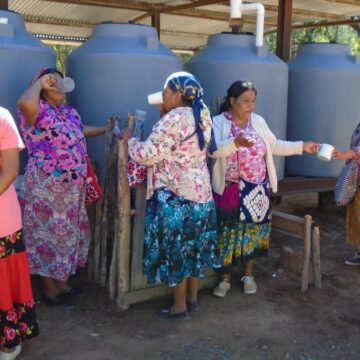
{"points": [[180, 236]]}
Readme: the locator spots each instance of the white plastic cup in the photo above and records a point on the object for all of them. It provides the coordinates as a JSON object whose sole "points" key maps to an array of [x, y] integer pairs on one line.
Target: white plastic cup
{"points": [[156, 98], [325, 152], [66, 84]]}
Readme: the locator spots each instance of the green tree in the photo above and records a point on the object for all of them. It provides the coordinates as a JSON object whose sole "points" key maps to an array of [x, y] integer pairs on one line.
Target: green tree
{"points": [[62, 52], [342, 34]]}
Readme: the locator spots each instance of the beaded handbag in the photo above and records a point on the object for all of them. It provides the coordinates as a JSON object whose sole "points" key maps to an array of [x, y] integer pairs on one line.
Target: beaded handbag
{"points": [[346, 183]]}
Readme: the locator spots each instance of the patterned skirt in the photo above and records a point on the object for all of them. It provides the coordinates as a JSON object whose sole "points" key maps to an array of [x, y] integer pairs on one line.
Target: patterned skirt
{"points": [[55, 225], [239, 242], [353, 221], [17, 307], [180, 238]]}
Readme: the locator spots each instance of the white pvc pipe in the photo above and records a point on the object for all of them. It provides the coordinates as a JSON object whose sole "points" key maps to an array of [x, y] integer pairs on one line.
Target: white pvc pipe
{"points": [[260, 16], [236, 9]]}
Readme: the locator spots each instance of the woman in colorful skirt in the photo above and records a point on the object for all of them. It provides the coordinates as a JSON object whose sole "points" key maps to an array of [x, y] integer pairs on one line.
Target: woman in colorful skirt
{"points": [[353, 209], [243, 173], [180, 236], [17, 307], [56, 226]]}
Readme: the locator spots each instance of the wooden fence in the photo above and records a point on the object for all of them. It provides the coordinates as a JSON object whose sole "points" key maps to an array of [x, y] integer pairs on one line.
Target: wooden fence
{"points": [[116, 252]]}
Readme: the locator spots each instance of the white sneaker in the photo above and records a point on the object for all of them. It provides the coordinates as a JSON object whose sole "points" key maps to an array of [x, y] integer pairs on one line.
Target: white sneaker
{"points": [[11, 355], [250, 286], [222, 289]]}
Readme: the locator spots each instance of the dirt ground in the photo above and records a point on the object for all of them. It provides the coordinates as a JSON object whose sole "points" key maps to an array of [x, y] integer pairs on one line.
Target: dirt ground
{"points": [[279, 322]]}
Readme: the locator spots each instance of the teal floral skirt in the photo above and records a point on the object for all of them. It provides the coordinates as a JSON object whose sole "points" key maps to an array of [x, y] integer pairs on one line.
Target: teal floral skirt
{"points": [[180, 238]]}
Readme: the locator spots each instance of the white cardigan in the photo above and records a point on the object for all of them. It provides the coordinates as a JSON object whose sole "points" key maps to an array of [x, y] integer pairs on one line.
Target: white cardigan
{"points": [[226, 146]]}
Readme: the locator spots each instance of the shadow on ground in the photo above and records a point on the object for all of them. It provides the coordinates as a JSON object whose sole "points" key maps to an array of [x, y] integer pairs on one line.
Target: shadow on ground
{"points": [[279, 322]]}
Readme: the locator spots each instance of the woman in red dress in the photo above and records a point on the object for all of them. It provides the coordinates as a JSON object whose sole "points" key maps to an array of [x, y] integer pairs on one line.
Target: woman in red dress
{"points": [[17, 307]]}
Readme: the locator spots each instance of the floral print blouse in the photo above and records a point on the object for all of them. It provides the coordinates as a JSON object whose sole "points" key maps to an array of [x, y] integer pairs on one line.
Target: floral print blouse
{"points": [[247, 163], [174, 158], [56, 142]]}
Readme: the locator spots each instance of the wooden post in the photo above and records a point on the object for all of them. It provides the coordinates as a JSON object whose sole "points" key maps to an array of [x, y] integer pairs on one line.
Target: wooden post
{"points": [[155, 22], [138, 280], [96, 245], [4, 4], [307, 253], [316, 256], [124, 229], [283, 43]]}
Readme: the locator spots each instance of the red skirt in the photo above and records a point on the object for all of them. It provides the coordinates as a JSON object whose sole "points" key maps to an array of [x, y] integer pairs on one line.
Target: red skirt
{"points": [[17, 307]]}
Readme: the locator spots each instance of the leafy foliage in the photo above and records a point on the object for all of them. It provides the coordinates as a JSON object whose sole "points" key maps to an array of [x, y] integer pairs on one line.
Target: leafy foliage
{"points": [[342, 34], [62, 52]]}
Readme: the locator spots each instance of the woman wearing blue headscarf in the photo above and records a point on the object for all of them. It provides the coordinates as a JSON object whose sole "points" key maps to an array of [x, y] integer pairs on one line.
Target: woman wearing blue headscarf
{"points": [[180, 236]]}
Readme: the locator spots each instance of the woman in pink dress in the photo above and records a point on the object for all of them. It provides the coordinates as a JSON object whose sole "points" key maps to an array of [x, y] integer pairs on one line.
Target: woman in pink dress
{"points": [[56, 226], [17, 307]]}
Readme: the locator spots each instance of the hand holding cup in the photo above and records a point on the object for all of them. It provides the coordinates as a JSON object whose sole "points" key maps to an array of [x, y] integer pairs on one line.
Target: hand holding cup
{"points": [[243, 140]]}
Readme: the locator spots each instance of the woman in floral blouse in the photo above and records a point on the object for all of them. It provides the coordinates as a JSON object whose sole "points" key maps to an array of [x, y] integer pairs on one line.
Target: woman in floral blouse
{"points": [[180, 236], [17, 307], [243, 174], [56, 227]]}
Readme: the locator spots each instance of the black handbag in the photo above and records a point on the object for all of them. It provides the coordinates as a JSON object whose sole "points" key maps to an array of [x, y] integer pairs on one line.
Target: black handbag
{"points": [[346, 183]]}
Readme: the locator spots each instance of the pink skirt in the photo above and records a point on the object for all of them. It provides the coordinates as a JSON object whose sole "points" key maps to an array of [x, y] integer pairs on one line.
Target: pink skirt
{"points": [[56, 228]]}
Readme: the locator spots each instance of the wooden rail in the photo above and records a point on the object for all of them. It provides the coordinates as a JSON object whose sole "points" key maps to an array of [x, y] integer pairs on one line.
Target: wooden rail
{"points": [[298, 185]]}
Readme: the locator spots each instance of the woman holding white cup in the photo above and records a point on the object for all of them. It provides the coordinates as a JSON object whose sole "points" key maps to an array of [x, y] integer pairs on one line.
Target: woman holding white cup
{"points": [[242, 175], [180, 234], [353, 208]]}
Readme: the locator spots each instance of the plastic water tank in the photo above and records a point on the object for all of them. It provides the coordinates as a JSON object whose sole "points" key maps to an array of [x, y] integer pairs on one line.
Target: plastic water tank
{"points": [[230, 57], [324, 106], [21, 56], [114, 72]]}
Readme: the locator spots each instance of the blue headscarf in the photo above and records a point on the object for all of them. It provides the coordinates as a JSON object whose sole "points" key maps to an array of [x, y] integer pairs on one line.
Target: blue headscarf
{"points": [[191, 91]]}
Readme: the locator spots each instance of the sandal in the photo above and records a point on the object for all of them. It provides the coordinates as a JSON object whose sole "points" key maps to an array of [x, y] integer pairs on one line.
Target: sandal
{"points": [[168, 315], [74, 291], [192, 306], [57, 301]]}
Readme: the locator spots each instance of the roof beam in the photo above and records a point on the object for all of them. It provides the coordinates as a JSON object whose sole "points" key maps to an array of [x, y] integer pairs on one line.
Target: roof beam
{"points": [[270, 8], [57, 21], [320, 24], [116, 4], [309, 13], [148, 7], [89, 25], [345, 2], [283, 42], [166, 8], [4, 4]]}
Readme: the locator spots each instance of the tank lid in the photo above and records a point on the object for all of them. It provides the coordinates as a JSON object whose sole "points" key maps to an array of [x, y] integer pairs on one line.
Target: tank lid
{"points": [[113, 29], [231, 39], [13, 18], [329, 48]]}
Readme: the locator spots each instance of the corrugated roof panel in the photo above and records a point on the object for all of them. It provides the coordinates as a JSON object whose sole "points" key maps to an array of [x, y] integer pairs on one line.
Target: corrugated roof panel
{"points": [[174, 27]]}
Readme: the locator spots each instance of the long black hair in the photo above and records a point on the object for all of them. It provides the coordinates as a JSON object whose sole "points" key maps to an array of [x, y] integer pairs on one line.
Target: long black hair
{"points": [[234, 91]]}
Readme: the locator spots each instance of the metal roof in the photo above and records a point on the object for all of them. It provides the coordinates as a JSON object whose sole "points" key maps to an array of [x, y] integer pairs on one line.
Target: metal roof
{"points": [[183, 24]]}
